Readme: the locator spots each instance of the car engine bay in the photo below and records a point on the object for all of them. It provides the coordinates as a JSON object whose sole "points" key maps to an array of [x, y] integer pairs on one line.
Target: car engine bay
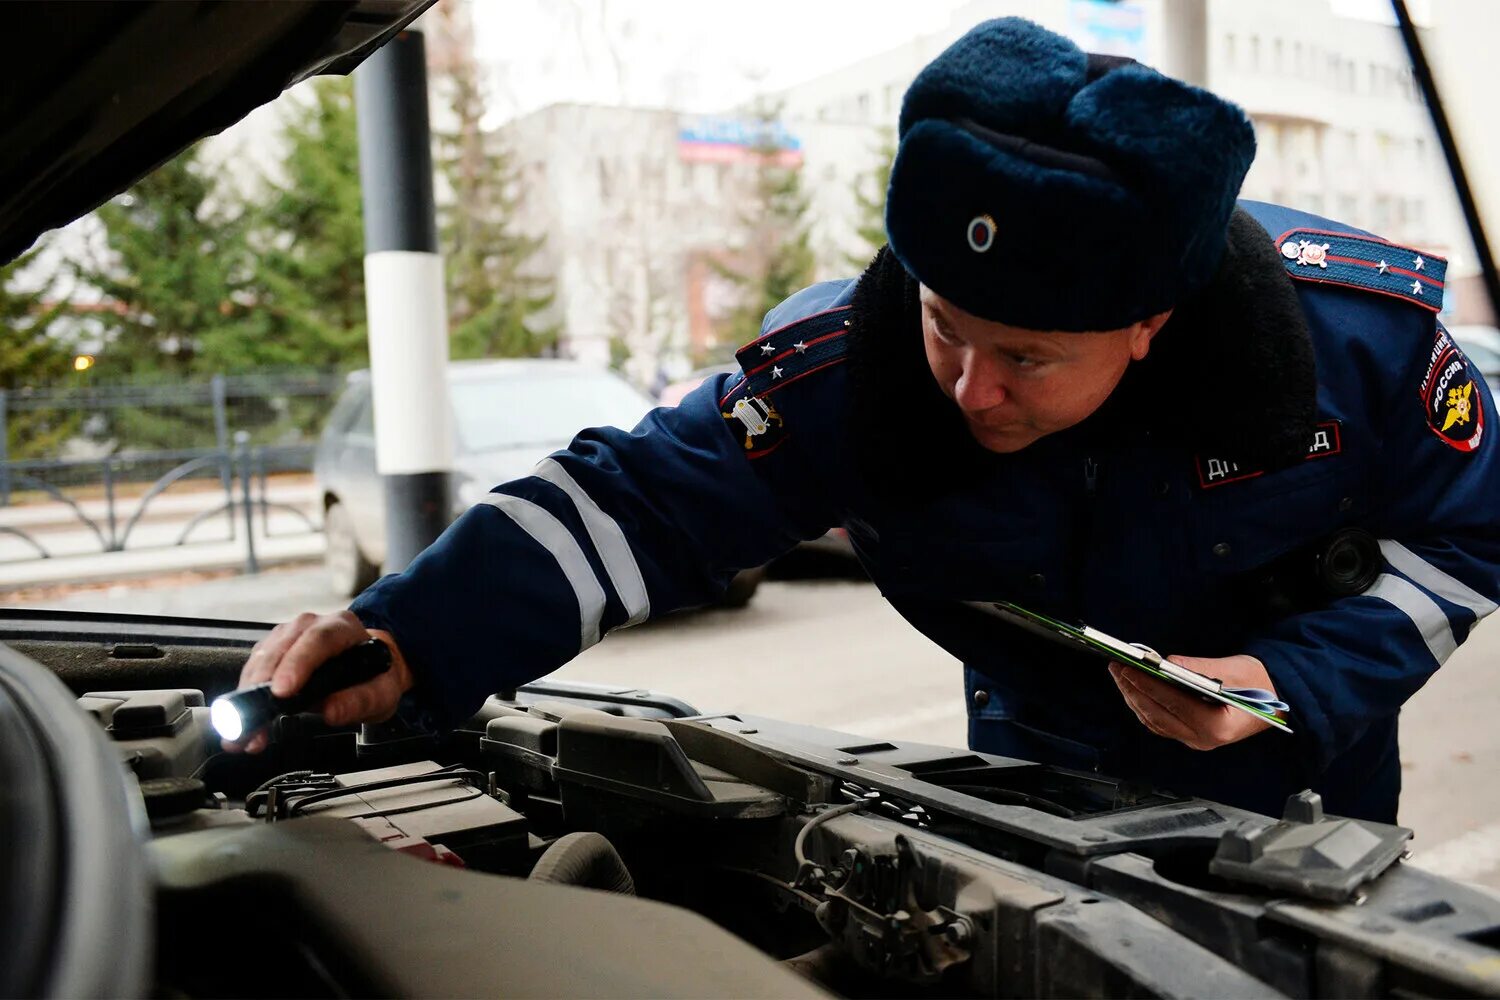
{"points": [[573, 840]]}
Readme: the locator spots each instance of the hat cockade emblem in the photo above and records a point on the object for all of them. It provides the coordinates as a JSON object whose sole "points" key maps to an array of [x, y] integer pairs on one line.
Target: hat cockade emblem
{"points": [[981, 233]]}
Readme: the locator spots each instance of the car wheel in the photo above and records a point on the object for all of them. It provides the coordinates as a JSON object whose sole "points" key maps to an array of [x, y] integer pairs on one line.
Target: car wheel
{"points": [[742, 587], [349, 572]]}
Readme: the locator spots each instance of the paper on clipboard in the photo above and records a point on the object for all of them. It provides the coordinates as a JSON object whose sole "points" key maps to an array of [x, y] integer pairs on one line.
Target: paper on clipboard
{"points": [[1262, 704]]}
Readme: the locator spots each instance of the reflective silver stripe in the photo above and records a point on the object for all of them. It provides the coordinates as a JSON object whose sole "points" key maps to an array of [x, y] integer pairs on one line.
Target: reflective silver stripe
{"points": [[614, 548], [552, 535], [1423, 572], [1421, 609]]}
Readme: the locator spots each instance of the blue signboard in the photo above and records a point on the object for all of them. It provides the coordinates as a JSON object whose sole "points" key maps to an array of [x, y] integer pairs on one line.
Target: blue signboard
{"points": [[1116, 29]]}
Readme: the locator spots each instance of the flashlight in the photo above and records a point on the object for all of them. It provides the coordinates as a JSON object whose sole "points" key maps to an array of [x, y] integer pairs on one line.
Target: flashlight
{"points": [[240, 712]]}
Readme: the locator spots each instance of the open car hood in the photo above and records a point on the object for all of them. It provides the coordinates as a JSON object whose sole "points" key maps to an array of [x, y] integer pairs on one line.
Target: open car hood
{"points": [[738, 855], [98, 94]]}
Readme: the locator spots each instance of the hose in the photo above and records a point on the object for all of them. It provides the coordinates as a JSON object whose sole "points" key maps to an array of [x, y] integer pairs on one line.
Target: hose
{"points": [[823, 817], [584, 859]]}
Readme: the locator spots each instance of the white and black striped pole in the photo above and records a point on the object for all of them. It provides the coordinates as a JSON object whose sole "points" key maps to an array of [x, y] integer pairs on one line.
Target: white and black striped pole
{"points": [[404, 300]]}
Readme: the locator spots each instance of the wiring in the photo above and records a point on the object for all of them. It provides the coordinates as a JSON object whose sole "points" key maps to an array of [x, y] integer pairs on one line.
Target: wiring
{"points": [[469, 775], [817, 821], [474, 793]]}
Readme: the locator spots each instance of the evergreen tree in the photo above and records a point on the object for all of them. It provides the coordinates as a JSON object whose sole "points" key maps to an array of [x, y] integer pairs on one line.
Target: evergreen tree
{"points": [[309, 279], [176, 257], [869, 201], [30, 357], [778, 257], [494, 299], [172, 282]]}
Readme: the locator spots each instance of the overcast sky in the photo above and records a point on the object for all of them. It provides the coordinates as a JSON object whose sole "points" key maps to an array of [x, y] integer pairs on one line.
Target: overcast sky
{"points": [[697, 55]]}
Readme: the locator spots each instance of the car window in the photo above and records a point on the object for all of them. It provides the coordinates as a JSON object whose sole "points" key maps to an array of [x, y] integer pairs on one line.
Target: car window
{"points": [[541, 408], [341, 419], [363, 423]]}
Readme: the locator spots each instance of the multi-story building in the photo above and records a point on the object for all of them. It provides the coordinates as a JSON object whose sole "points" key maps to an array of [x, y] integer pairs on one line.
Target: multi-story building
{"points": [[635, 214], [642, 210]]}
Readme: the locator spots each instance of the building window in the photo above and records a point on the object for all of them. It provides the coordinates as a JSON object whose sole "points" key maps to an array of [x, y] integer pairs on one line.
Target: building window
{"points": [[862, 107], [1230, 56], [1349, 209], [1382, 220], [1255, 52], [1299, 64], [603, 179], [1276, 55]]}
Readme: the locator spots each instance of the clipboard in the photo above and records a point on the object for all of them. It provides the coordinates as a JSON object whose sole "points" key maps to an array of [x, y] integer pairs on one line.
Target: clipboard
{"points": [[1262, 704]]}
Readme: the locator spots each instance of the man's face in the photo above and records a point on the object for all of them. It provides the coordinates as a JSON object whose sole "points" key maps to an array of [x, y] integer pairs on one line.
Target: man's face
{"points": [[1015, 386]]}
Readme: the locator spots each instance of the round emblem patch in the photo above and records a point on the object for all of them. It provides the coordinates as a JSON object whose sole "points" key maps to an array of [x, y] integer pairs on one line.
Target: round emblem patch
{"points": [[1315, 254], [981, 233], [1454, 403], [1291, 249]]}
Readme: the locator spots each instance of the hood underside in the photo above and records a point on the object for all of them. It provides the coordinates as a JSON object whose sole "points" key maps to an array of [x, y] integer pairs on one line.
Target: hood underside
{"points": [[98, 94]]}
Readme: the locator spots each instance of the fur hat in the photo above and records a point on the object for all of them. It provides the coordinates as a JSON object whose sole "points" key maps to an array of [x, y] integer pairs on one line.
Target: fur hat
{"points": [[1042, 187]]}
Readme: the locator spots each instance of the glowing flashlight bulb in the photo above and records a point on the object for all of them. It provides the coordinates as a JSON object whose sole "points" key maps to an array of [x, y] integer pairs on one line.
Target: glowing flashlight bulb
{"points": [[226, 719]]}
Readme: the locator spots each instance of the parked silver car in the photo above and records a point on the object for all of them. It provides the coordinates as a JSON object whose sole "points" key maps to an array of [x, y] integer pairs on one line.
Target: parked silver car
{"points": [[507, 416]]}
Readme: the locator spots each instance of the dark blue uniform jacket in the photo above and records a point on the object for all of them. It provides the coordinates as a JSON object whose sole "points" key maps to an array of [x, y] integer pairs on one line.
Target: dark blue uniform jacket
{"points": [[1309, 389]]}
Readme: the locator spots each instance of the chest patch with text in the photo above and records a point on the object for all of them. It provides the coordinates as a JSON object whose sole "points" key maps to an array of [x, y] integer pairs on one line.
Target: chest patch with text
{"points": [[1327, 440]]}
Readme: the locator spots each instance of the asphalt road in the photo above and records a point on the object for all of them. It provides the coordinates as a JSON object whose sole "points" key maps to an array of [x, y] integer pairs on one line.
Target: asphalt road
{"points": [[832, 653]]}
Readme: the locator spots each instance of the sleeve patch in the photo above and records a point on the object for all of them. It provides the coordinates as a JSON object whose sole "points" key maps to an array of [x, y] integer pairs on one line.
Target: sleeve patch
{"points": [[753, 420], [1366, 263], [1452, 402]]}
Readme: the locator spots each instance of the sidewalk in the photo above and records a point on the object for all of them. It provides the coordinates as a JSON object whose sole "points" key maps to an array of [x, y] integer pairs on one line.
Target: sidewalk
{"points": [[178, 502], [133, 563]]}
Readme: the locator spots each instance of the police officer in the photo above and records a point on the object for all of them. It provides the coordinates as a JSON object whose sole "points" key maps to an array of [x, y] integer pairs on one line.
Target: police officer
{"points": [[1080, 378]]}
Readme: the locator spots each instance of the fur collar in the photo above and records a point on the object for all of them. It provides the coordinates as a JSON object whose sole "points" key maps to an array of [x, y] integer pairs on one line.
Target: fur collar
{"points": [[1238, 354]]}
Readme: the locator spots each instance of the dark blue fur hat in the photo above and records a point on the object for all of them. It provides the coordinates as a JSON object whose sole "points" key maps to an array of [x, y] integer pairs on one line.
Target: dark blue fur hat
{"points": [[1042, 187]]}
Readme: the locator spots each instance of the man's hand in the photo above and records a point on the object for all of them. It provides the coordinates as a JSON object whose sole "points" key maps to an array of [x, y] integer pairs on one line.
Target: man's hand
{"points": [[1170, 711], [289, 655]]}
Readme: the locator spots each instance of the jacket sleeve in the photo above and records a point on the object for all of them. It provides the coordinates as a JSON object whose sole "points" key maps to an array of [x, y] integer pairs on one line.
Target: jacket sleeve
{"points": [[1358, 659], [620, 527]]}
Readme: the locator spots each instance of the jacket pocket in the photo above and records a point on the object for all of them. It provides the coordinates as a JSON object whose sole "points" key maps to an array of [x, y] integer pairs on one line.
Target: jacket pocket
{"points": [[1251, 524]]}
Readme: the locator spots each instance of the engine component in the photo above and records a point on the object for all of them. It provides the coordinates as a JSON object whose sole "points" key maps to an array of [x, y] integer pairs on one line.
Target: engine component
{"points": [[584, 859], [606, 768], [172, 799], [160, 734], [870, 905], [1308, 855], [421, 809]]}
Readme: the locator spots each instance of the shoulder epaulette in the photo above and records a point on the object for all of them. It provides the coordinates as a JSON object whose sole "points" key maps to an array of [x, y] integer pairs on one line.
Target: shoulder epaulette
{"points": [[795, 351], [1364, 262]]}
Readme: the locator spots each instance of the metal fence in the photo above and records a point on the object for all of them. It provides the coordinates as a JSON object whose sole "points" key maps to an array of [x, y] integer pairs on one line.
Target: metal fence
{"points": [[227, 435]]}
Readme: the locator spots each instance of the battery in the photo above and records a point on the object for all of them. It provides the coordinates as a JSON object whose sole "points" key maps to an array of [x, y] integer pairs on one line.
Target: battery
{"points": [[442, 820]]}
